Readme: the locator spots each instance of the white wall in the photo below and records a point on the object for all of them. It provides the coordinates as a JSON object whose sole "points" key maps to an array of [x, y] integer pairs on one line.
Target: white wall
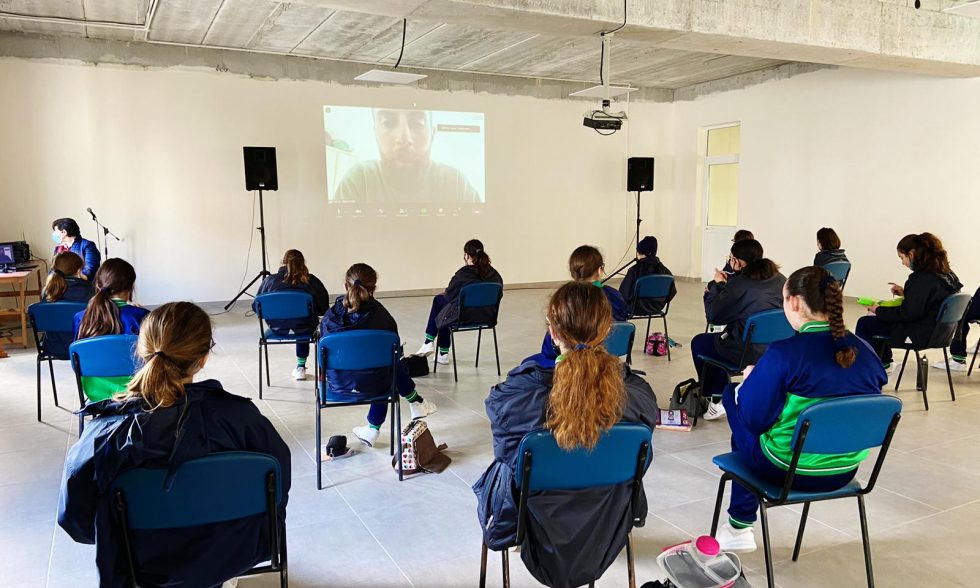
{"points": [[157, 154], [874, 155]]}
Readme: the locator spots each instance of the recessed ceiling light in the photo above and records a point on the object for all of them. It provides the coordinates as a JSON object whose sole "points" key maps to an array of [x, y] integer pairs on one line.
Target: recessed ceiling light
{"points": [[389, 77], [600, 92], [965, 9]]}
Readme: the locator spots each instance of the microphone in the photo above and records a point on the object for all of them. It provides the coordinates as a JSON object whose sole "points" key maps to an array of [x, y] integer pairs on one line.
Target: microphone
{"points": [[92, 213]]}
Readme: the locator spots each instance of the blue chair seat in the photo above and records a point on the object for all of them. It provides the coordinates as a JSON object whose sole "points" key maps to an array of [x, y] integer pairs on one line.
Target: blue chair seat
{"points": [[271, 335], [730, 367], [735, 465]]}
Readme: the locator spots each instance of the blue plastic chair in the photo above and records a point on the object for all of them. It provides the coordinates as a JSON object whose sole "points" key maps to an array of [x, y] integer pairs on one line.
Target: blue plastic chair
{"points": [[622, 454], [283, 305], [948, 320], [839, 270], [835, 426], [762, 328], [216, 488], [619, 342], [473, 297], [47, 319], [108, 356], [654, 288], [356, 351]]}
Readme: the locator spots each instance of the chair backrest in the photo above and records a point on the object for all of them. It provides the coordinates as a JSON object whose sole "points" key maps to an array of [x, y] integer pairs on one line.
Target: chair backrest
{"points": [[654, 286], [284, 305], [848, 424], [54, 317], [839, 270], [211, 489], [359, 350], [620, 338], [613, 460], [103, 357], [768, 326], [480, 295], [948, 320]]}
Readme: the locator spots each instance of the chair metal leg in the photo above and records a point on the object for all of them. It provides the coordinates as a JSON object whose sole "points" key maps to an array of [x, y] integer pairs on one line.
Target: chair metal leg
{"points": [[319, 458], [479, 334], [921, 377], [496, 352], [505, 563], [766, 546], [667, 336], [452, 345], [398, 438], [867, 542], [54, 386], [643, 343], [283, 561], [721, 494], [268, 377], [81, 425], [483, 566], [39, 390], [901, 372], [976, 351], [799, 534], [630, 564], [260, 370], [391, 426], [949, 377]]}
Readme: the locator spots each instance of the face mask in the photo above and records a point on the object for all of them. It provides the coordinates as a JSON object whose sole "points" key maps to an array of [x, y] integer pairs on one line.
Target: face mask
{"points": [[56, 237]]}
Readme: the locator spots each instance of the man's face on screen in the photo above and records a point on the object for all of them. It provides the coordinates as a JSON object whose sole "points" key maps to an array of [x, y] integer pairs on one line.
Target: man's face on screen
{"points": [[404, 136]]}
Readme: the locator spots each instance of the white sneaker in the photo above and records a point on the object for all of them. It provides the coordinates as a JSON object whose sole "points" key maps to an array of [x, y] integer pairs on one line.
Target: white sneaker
{"points": [[732, 539], [367, 434], [954, 366], [891, 368], [422, 409], [299, 373], [443, 359], [427, 349], [716, 410]]}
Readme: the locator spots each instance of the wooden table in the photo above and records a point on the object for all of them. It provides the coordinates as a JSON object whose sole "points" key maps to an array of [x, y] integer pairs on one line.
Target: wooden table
{"points": [[20, 282]]}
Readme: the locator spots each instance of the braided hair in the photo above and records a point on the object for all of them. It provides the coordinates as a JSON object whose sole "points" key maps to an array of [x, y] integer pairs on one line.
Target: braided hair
{"points": [[823, 295]]}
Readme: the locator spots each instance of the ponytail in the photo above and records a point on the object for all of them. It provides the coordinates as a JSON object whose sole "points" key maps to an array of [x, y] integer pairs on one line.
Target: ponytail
{"points": [[481, 261], [173, 340], [101, 317], [65, 264], [360, 282], [822, 294], [588, 395], [756, 267], [927, 253], [296, 270], [585, 262]]}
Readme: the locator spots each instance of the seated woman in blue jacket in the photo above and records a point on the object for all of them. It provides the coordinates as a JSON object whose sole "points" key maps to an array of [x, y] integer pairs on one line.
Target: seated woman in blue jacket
{"points": [[585, 265], [828, 248], [68, 237], [730, 300], [577, 398], [164, 419], [824, 361], [931, 282], [445, 306], [64, 285], [110, 312], [358, 309], [294, 275]]}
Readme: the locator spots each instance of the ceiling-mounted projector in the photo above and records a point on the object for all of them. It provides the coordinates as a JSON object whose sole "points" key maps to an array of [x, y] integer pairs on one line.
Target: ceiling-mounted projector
{"points": [[604, 119]]}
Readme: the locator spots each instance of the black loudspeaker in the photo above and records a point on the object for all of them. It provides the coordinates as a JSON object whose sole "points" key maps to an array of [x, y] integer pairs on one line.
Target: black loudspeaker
{"points": [[639, 174], [260, 168]]}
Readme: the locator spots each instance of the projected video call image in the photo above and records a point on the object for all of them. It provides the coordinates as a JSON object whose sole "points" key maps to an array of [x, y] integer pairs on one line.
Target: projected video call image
{"points": [[392, 157]]}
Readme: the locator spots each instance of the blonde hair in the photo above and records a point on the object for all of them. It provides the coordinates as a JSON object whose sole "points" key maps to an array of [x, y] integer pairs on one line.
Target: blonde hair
{"points": [[588, 393], [296, 271], [66, 264], [173, 340]]}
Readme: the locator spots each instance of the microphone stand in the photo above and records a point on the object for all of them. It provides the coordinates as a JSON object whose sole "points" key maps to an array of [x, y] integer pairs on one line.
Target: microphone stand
{"points": [[105, 236], [265, 267]]}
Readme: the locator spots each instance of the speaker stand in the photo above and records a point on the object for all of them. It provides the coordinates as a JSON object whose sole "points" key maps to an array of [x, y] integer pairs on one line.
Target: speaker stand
{"points": [[636, 241], [265, 270]]}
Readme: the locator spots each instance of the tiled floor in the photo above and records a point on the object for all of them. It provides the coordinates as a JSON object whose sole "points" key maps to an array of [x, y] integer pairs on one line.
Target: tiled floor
{"points": [[367, 529]]}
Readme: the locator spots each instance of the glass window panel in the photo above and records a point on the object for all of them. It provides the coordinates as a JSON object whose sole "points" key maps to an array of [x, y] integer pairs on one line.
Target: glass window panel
{"points": [[724, 141], [723, 195]]}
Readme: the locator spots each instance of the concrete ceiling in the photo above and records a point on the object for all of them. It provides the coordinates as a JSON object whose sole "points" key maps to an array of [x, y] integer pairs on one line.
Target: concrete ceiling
{"points": [[667, 44]]}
